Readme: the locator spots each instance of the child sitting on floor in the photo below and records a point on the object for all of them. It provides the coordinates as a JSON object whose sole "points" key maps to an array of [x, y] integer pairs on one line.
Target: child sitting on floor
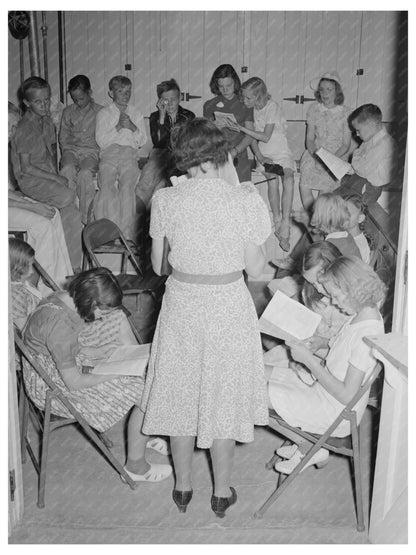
{"points": [[357, 210]]}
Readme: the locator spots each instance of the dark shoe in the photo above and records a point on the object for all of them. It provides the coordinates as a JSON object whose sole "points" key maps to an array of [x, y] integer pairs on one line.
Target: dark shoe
{"points": [[220, 504], [182, 499]]}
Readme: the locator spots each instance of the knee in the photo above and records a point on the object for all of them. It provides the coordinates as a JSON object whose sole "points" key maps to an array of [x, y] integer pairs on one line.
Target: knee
{"points": [[64, 198]]}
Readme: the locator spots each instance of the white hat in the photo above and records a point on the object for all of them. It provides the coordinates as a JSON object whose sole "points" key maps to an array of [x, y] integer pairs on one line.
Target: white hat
{"points": [[333, 75]]}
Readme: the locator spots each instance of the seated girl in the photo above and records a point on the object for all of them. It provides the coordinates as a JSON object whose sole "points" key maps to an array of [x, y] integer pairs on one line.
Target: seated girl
{"points": [[52, 333], [24, 296], [357, 290]]}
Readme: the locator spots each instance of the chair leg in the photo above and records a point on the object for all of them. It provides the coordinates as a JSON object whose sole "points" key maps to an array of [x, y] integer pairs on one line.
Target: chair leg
{"points": [[357, 478], [106, 440], [24, 409], [44, 453]]}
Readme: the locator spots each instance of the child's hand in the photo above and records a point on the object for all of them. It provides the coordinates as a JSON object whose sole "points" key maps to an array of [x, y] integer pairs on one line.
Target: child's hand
{"points": [[61, 180], [299, 352], [43, 210], [162, 105], [233, 125], [315, 343], [300, 216]]}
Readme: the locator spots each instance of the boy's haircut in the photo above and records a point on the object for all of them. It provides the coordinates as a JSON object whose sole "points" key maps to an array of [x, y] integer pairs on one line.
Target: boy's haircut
{"points": [[165, 86], [119, 81], [366, 112], [355, 197], [95, 288], [357, 280], [33, 83], [20, 258], [258, 86], [79, 82], [197, 141], [339, 95], [330, 213], [322, 252], [223, 71]]}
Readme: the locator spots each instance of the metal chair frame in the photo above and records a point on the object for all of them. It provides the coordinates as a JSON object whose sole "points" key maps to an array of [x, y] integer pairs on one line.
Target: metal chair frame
{"points": [[48, 422], [333, 444]]}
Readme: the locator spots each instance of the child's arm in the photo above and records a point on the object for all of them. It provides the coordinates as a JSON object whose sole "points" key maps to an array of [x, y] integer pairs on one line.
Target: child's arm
{"points": [[263, 136], [65, 132], [244, 143], [29, 169], [310, 139], [342, 391], [18, 201], [256, 150]]}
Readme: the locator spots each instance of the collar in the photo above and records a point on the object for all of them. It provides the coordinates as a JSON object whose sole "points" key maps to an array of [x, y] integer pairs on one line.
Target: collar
{"points": [[379, 136], [336, 108], [337, 235]]}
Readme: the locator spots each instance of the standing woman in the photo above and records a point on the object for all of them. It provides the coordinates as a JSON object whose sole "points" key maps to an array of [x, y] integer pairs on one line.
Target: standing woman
{"points": [[226, 84], [327, 127], [206, 376]]}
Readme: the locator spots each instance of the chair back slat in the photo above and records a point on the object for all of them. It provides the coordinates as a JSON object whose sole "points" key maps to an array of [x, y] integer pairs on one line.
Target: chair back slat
{"points": [[45, 276], [100, 232]]}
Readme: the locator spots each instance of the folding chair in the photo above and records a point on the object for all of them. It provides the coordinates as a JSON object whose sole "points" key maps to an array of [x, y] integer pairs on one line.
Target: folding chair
{"points": [[103, 236], [348, 446], [48, 422]]}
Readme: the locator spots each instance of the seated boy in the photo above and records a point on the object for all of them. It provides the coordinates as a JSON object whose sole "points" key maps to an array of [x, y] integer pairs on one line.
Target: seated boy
{"points": [[79, 162], [33, 155], [119, 132], [374, 161]]}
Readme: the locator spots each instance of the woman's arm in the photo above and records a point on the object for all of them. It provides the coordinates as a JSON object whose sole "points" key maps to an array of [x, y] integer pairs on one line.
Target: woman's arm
{"points": [[342, 391], [157, 255], [255, 258]]}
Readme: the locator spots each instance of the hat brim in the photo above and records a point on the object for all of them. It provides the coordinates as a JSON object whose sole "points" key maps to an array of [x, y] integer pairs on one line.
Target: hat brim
{"points": [[314, 83]]}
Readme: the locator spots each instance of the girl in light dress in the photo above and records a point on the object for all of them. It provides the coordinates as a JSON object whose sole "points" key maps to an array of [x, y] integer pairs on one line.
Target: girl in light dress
{"points": [[327, 126], [270, 147], [358, 292]]}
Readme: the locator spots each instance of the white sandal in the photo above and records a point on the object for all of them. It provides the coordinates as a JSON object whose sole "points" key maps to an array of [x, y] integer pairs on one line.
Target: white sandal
{"points": [[159, 445], [320, 459], [287, 451], [156, 473]]}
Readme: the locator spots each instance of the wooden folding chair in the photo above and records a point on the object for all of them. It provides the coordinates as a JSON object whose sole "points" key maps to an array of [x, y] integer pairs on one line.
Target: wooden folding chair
{"points": [[48, 422], [348, 447]]}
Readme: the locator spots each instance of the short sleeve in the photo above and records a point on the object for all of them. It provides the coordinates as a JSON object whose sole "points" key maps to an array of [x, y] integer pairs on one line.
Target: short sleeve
{"points": [[157, 221], [258, 226], [311, 114], [62, 343], [361, 356]]}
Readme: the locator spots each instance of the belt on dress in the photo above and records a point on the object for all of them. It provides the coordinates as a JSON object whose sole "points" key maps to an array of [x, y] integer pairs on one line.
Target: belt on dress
{"points": [[206, 279]]}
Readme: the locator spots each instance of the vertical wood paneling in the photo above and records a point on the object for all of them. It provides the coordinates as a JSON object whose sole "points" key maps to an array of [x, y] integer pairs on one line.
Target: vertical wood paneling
{"points": [[274, 58], [144, 88], [349, 30], [194, 80], [211, 48], [293, 55], [258, 44]]}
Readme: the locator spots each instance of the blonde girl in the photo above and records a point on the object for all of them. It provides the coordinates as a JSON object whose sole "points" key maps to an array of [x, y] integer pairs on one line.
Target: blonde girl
{"points": [[271, 147]]}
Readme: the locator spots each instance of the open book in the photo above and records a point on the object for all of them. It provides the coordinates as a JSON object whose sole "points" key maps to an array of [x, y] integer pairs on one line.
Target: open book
{"points": [[288, 319], [336, 165], [126, 360], [221, 119]]}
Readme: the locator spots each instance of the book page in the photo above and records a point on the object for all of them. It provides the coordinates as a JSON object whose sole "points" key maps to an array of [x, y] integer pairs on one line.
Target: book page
{"points": [[336, 165], [126, 360], [221, 119], [288, 319]]}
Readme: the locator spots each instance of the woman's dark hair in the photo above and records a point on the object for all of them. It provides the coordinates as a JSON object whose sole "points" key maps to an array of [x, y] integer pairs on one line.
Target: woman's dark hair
{"points": [[79, 82], [197, 141], [96, 288], [322, 252], [223, 71], [339, 95], [166, 86]]}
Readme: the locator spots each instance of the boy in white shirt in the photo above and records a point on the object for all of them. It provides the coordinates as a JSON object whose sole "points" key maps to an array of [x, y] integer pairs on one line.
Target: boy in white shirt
{"points": [[119, 133]]}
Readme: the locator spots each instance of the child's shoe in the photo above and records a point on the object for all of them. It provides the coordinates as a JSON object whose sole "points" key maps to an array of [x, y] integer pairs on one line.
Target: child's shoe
{"points": [[320, 459], [287, 451]]}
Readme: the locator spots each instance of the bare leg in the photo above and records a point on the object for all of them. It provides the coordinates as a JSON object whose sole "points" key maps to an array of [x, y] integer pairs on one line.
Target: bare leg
{"points": [[182, 448], [222, 455], [287, 202], [136, 442], [274, 197], [306, 197], [303, 444]]}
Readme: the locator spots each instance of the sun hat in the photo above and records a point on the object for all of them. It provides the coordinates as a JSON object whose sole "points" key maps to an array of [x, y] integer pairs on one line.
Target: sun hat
{"points": [[333, 75]]}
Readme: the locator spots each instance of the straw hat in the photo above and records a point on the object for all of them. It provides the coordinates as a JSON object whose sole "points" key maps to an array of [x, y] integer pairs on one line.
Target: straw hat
{"points": [[333, 75]]}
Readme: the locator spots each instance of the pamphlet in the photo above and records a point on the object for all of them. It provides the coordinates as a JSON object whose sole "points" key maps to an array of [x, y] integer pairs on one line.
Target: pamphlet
{"points": [[126, 360], [288, 319], [336, 165], [221, 119]]}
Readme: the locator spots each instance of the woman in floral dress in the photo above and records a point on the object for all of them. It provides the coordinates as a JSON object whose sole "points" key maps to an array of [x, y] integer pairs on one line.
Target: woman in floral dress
{"points": [[206, 377]]}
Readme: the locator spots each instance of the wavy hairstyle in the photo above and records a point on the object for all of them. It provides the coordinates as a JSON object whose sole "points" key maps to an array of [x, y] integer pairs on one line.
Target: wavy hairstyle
{"points": [[259, 88], [330, 213], [357, 280], [322, 252], [223, 71], [95, 288], [197, 141], [166, 86], [21, 256], [339, 95]]}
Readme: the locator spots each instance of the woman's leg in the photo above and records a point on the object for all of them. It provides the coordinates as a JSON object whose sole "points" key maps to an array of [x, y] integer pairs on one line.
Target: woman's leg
{"points": [[222, 455], [136, 443], [182, 448]]}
